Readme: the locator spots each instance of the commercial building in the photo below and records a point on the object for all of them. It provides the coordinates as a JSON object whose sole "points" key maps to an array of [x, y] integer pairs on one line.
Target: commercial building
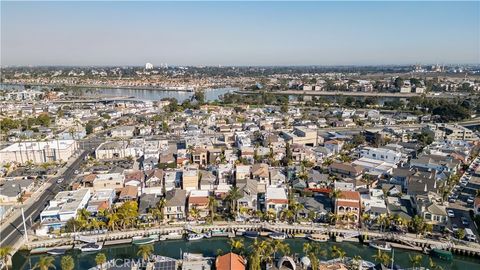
{"points": [[38, 152]]}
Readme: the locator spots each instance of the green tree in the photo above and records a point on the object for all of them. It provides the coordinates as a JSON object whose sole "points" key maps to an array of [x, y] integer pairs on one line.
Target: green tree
{"points": [[145, 251], [100, 260], [415, 260], [212, 205], [338, 252], [45, 263], [460, 234], [237, 246], [67, 263], [382, 257], [232, 197], [5, 253]]}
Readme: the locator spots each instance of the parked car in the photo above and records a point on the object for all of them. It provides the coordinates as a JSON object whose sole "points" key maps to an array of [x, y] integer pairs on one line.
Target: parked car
{"points": [[450, 213], [470, 199], [465, 221], [60, 180], [454, 227]]}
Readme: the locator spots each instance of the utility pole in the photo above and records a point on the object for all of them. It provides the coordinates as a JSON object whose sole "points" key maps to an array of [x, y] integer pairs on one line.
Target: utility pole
{"points": [[24, 227]]}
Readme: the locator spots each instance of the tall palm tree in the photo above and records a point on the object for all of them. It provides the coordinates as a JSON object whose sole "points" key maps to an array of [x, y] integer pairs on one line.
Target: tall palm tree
{"points": [[338, 252], [382, 257], [212, 205], [67, 263], [45, 263], [113, 219], [236, 246], [415, 260], [100, 260], [194, 213], [232, 196], [145, 251], [5, 253]]}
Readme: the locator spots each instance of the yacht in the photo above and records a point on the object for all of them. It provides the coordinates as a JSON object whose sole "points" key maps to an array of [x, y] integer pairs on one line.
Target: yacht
{"points": [[91, 247], [251, 234], [318, 237], [141, 240], [381, 245], [195, 236], [278, 235]]}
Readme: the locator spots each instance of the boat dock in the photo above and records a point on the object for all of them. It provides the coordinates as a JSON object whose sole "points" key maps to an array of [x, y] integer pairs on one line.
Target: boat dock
{"points": [[404, 241]]}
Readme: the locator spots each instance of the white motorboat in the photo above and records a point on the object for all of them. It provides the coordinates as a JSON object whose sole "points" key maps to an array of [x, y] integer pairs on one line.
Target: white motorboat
{"points": [[381, 245], [195, 236], [278, 235], [318, 237], [91, 247]]}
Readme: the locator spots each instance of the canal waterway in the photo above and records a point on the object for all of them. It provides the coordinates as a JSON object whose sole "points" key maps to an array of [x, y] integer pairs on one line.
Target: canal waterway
{"points": [[211, 247]]}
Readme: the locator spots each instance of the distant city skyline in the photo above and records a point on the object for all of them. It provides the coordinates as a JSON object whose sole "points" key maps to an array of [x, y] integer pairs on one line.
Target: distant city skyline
{"points": [[239, 33]]}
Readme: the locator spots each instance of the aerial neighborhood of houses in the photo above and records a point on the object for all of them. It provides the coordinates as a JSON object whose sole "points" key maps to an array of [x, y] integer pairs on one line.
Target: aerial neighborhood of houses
{"points": [[126, 164]]}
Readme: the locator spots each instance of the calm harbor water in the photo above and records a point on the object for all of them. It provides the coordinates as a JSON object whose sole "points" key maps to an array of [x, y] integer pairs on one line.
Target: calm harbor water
{"points": [[151, 95], [209, 247]]}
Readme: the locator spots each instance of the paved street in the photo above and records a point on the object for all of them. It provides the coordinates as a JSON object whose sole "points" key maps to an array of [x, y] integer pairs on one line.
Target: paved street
{"points": [[12, 232]]}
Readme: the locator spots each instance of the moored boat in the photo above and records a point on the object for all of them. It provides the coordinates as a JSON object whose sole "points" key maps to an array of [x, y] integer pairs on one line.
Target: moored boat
{"points": [[381, 245], [56, 251], [141, 240], [91, 247], [318, 237], [251, 234], [442, 254], [278, 235], [195, 236]]}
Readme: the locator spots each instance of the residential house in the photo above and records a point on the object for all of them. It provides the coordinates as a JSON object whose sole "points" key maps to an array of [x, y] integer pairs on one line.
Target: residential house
{"points": [[347, 207], [176, 200]]}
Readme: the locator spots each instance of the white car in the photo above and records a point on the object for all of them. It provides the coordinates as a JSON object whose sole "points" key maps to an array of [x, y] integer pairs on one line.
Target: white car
{"points": [[59, 180], [470, 199], [450, 213], [454, 227]]}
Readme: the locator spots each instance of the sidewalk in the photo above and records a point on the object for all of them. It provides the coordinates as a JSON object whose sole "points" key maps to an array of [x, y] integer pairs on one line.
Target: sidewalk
{"points": [[15, 212]]}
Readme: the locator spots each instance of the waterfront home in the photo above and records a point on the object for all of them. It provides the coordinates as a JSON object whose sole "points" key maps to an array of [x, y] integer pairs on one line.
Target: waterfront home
{"points": [[176, 200], [101, 200], [436, 162], [402, 207], [147, 202], [230, 261], [347, 207], [430, 207], [61, 208], [248, 191], [316, 208], [275, 199], [198, 199]]}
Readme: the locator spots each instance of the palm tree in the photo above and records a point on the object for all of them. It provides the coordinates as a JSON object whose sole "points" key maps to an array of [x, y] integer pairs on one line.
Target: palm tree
{"points": [[338, 252], [5, 253], [382, 257], [67, 263], [45, 263], [100, 260], [145, 251], [232, 197], [311, 250], [415, 260], [212, 205], [236, 246], [194, 213], [113, 219]]}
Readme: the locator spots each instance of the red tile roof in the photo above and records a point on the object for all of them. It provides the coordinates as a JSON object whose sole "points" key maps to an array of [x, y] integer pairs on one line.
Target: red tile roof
{"points": [[230, 261]]}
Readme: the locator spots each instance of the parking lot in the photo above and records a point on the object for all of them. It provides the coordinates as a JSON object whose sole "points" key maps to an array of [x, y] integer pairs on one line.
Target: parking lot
{"points": [[462, 197]]}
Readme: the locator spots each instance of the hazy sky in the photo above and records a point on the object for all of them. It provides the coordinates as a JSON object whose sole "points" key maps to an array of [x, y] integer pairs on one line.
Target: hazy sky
{"points": [[234, 33]]}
